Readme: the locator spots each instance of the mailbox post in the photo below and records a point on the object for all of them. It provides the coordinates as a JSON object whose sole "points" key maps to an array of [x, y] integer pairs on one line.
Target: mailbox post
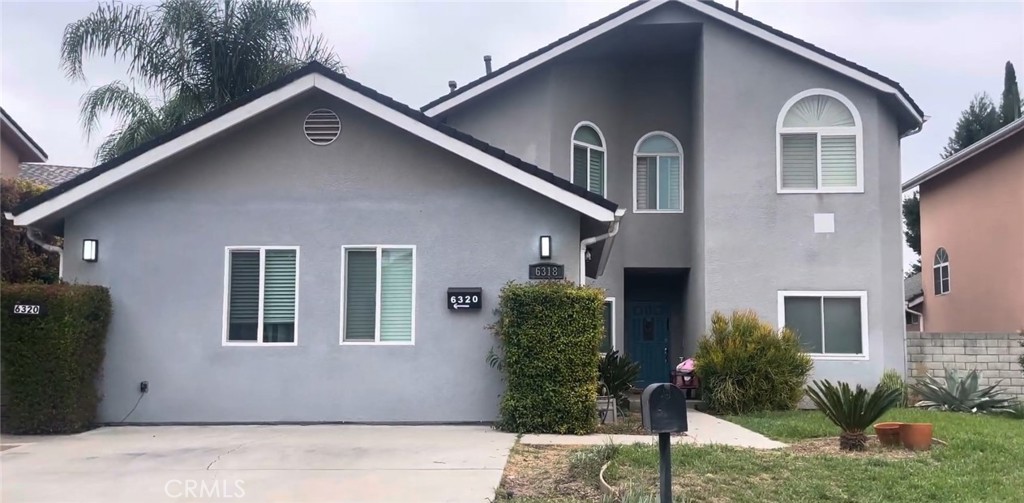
{"points": [[663, 410]]}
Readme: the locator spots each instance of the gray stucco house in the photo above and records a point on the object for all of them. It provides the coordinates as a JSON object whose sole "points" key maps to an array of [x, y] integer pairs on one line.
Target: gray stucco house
{"points": [[289, 257]]}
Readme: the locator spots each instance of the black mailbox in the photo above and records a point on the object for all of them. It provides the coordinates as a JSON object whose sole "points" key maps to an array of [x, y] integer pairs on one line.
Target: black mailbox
{"points": [[663, 408]]}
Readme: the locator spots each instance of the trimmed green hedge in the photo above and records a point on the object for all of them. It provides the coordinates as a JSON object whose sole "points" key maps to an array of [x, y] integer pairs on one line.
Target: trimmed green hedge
{"points": [[746, 365], [50, 363], [550, 334]]}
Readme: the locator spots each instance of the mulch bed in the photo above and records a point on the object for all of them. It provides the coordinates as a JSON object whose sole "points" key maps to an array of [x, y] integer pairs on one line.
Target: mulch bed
{"points": [[542, 471]]}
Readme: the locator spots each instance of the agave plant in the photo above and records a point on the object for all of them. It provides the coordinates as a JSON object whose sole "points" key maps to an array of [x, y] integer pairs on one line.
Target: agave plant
{"points": [[852, 410], [961, 394]]}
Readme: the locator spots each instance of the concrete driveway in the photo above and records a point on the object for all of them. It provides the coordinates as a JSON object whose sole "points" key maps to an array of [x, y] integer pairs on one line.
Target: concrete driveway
{"points": [[345, 463]]}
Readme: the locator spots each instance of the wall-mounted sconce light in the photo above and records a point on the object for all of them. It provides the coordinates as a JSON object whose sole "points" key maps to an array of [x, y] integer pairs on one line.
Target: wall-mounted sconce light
{"points": [[545, 247], [90, 250]]}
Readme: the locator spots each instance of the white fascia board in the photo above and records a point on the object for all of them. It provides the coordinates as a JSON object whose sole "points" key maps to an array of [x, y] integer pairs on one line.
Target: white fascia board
{"points": [[28, 143], [965, 154], [467, 152], [263, 103], [700, 7], [804, 52], [163, 151], [552, 53]]}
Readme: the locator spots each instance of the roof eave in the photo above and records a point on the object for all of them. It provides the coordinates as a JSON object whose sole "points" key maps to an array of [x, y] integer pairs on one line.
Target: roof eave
{"points": [[50, 204], [956, 159], [720, 13], [27, 143]]}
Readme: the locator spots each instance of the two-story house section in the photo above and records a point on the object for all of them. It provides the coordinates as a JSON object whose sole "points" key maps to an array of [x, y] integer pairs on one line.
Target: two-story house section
{"points": [[288, 257], [759, 172]]}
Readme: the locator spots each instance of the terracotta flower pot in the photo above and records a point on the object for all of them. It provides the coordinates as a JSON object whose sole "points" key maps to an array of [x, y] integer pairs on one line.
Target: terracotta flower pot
{"points": [[888, 433], [916, 436]]}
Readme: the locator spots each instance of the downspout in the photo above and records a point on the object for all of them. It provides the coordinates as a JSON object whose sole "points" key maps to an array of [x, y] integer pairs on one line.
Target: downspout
{"points": [[613, 229], [35, 237], [920, 316]]}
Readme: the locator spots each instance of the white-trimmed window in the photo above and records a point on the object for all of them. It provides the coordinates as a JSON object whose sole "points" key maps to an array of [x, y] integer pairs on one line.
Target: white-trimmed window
{"points": [[940, 271], [608, 340], [820, 144], [658, 174], [261, 292], [588, 158], [378, 294], [828, 324]]}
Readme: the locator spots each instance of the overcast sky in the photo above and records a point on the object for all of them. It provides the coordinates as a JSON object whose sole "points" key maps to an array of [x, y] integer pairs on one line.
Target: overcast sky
{"points": [[941, 52]]}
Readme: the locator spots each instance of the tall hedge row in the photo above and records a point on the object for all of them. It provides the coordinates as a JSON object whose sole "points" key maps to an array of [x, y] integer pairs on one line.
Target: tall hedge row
{"points": [[21, 260], [550, 333], [49, 363]]}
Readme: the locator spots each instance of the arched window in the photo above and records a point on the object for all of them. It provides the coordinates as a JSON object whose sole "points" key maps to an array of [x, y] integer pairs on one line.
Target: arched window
{"points": [[940, 270], [658, 174], [820, 144], [588, 158]]}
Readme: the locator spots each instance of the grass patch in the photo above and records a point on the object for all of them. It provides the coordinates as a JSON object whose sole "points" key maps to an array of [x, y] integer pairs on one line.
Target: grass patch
{"points": [[981, 462]]}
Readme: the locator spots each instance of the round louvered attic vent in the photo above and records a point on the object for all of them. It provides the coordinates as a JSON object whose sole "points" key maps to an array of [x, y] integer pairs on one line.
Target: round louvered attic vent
{"points": [[322, 126]]}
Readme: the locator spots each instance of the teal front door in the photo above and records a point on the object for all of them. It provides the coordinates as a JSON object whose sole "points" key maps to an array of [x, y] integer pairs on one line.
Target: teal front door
{"points": [[648, 340]]}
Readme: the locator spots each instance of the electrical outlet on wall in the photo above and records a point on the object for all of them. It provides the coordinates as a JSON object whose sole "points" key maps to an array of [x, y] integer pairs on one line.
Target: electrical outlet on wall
{"points": [[144, 387]]}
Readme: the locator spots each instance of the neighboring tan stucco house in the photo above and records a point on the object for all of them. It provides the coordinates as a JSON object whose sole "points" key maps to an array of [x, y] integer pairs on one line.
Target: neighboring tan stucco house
{"points": [[288, 257], [972, 237], [16, 147]]}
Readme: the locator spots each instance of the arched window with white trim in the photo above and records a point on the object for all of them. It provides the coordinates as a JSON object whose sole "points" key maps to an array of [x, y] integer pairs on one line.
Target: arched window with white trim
{"points": [[820, 144], [658, 174], [588, 158], [940, 271]]}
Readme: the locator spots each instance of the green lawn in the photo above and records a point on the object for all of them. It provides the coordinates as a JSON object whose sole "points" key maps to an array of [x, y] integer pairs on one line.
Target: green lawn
{"points": [[984, 461]]}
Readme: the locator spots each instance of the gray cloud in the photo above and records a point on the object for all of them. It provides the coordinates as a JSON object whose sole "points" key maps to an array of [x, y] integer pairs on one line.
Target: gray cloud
{"points": [[942, 52]]}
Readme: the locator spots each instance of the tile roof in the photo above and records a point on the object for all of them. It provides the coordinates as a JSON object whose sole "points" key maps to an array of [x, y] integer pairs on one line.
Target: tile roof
{"points": [[912, 287], [320, 69], [49, 175]]}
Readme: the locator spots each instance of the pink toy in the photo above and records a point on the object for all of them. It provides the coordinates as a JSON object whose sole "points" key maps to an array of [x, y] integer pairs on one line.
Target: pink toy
{"points": [[685, 366]]}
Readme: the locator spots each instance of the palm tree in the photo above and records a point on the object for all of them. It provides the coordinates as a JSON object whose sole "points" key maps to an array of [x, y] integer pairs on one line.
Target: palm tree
{"points": [[188, 57]]}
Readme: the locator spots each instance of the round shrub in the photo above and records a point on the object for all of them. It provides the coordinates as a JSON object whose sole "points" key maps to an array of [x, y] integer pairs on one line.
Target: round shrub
{"points": [[550, 333], [747, 365]]}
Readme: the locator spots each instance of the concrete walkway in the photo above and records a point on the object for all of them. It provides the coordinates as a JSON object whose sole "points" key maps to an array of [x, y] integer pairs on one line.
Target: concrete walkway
{"points": [[338, 463], [704, 429]]}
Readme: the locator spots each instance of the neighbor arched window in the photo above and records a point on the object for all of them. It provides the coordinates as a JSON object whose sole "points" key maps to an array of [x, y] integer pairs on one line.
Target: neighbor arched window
{"points": [[658, 174], [588, 155], [820, 144], [940, 270]]}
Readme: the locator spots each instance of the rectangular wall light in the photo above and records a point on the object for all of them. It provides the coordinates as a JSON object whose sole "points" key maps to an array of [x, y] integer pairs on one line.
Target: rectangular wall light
{"points": [[90, 250], [545, 247]]}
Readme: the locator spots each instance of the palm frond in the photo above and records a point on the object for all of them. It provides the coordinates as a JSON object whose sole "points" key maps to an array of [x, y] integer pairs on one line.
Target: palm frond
{"points": [[125, 31], [851, 410], [126, 104]]}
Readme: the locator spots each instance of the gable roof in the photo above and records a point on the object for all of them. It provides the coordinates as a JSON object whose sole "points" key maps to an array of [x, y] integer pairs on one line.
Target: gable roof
{"points": [[315, 76], [706, 7], [49, 175], [1007, 131], [22, 138]]}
